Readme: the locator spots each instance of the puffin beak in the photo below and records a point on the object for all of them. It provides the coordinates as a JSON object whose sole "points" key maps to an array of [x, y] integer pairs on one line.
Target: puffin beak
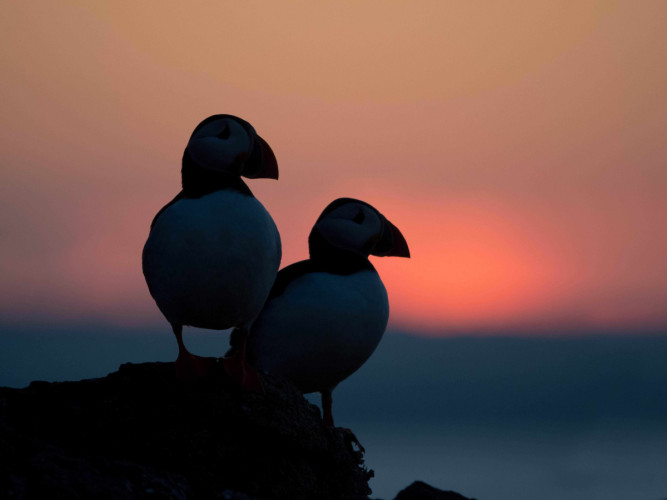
{"points": [[392, 243], [269, 164]]}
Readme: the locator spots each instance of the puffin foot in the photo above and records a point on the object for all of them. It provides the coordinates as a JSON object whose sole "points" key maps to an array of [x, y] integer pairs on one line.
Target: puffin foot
{"points": [[190, 368], [349, 438], [241, 372]]}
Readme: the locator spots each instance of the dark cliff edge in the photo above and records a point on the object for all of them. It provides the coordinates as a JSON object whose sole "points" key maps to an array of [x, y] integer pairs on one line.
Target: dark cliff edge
{"points": [[140, 433]]}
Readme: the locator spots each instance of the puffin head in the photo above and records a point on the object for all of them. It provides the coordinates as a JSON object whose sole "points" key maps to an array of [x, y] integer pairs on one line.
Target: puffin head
{"points": [[354, 226], [228, 144]]}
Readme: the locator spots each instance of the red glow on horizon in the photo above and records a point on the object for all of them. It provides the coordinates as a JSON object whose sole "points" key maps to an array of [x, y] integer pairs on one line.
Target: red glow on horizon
{"points": [[472, 266]]}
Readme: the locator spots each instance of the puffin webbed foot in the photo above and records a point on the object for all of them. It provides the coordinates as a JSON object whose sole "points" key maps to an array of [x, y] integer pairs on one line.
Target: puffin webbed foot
{"points": [[241, 372], [190, 368]]}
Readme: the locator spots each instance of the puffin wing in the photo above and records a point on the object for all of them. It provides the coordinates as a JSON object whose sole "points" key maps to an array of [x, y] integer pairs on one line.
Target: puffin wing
{"points": [[289, 274]]}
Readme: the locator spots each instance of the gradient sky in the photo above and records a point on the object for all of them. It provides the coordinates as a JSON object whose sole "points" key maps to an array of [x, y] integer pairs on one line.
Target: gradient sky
{"points": [[519, 146]]}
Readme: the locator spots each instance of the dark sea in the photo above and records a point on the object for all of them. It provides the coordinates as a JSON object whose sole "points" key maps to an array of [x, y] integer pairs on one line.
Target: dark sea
{"points": [[581, 417]]}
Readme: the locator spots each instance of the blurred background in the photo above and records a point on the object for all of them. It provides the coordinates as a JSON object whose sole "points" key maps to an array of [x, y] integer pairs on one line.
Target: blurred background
{"points": [[519, 147]]}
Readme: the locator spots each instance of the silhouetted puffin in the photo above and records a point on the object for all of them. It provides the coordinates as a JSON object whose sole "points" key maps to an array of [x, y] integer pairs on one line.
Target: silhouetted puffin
{"points": [[325, 316], [213, 251]]}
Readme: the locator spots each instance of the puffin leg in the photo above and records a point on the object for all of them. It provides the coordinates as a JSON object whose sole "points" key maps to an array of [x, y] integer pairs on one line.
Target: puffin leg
{"points": [[327, 403], [188, 366], [327, 416], [238, 368]]}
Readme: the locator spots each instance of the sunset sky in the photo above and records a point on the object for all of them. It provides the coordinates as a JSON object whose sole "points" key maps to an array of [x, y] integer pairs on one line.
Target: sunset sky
{"points": [[519, 146]]}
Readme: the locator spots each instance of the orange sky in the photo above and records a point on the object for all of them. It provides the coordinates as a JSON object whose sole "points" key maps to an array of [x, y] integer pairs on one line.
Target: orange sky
{"points": [[519, 146]]}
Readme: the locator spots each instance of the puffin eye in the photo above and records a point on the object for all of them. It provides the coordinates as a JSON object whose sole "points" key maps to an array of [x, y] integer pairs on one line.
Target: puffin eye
{"points": [[359, 218], [225, 132]]}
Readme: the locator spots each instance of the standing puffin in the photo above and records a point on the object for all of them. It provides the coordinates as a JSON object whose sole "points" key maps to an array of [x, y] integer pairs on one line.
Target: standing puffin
{"points": [[326, 315], [213, 252]]}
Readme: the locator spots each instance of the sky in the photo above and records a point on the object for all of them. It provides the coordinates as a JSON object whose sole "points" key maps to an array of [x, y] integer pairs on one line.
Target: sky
{"points": [[519, 147]]}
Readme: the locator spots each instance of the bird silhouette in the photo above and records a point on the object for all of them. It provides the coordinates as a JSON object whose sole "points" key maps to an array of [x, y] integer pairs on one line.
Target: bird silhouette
{"points": [[326, 315], [213, 251]]}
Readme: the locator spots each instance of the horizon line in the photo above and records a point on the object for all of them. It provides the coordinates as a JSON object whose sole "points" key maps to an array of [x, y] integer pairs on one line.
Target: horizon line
{"points": [[523, 331]]}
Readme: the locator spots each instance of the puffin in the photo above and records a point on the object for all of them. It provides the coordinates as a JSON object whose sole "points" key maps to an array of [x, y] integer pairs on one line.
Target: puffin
{"points": [[213, 252], [326, 315]]}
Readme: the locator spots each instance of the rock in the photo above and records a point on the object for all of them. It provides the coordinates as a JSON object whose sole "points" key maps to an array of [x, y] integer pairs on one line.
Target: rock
{"points": [[141, 433], [422, 491]]}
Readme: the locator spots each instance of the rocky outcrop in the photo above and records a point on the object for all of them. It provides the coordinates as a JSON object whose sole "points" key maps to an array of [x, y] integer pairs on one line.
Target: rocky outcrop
{"points": [[140, 433], [422, 491]]}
